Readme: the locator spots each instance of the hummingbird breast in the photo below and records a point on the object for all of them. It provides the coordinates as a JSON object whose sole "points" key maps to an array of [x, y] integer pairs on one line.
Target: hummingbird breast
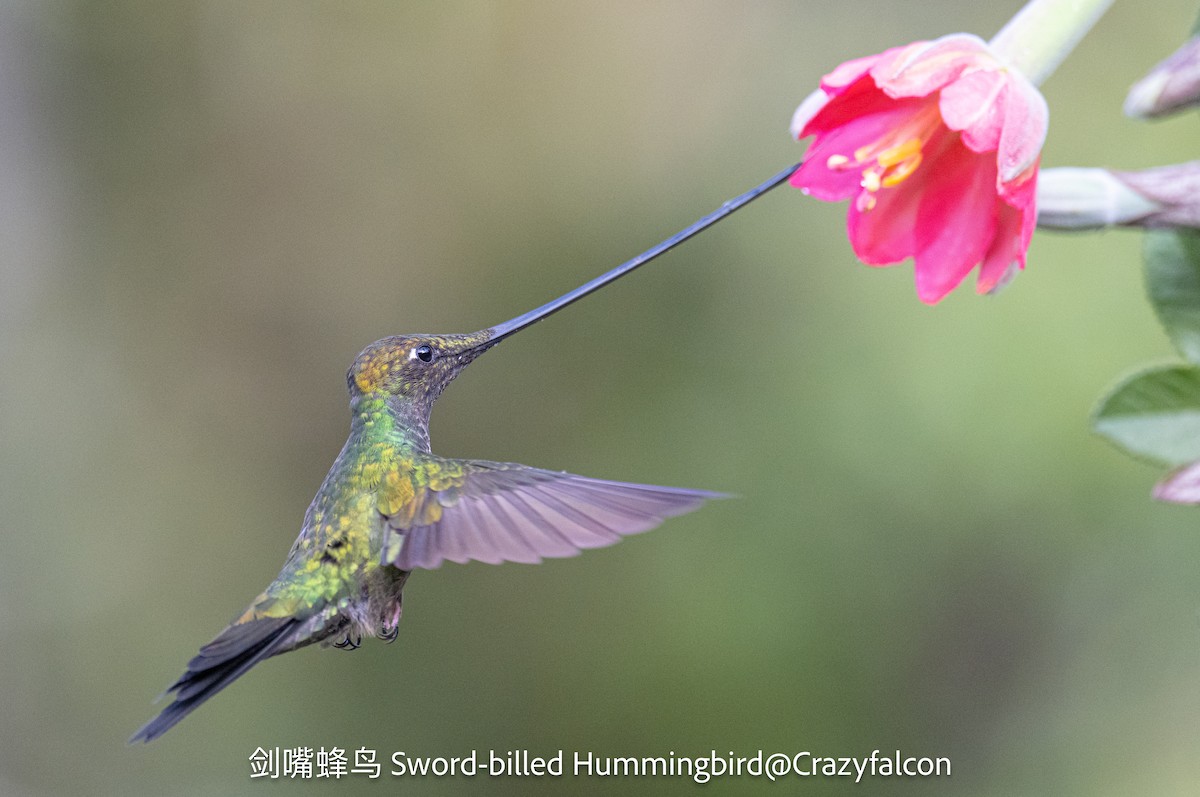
{"points": [[335, 565]]}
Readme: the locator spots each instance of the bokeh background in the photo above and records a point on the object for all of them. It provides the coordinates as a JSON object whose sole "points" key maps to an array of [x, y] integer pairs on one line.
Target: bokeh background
{"points": [[209, 208]]}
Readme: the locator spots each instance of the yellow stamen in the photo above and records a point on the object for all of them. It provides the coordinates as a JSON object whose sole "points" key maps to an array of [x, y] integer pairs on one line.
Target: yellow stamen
{"points": [[891, 159], [900, 173], [899, 153]]}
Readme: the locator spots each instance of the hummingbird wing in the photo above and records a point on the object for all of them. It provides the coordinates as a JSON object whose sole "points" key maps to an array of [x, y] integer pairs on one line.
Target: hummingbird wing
{"points": [[503, 512]]}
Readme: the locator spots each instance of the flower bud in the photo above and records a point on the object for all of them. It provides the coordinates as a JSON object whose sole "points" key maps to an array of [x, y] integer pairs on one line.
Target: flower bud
{"points": [[1170, 86], [1181, 486], [1081, 199], [1087, 199]]}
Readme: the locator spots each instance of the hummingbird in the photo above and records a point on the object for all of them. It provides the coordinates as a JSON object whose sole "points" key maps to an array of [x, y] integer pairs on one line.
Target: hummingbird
{"points": [[389, 506]]}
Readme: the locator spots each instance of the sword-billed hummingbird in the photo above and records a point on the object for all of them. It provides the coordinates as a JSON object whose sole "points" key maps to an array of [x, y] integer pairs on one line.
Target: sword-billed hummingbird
{"points": [[389, 506]]}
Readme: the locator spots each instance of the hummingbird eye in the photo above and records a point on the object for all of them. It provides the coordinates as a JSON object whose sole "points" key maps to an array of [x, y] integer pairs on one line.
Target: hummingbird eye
{"points": [[424, 353]]}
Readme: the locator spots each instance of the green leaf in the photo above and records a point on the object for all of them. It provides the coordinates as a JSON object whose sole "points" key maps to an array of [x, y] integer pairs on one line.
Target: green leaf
{"points": [[1173, 283], [1155, 415]]}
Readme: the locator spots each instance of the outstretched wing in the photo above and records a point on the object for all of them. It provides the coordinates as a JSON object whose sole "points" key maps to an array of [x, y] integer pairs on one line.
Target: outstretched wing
{"points": [[501, 512]]}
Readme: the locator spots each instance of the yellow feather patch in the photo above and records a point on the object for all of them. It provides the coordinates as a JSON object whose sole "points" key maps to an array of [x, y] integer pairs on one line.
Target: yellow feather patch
{"points": [[395, 493]]}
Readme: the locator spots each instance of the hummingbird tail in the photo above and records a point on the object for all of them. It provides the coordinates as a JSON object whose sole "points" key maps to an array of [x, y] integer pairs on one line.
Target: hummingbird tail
{"points": [[220, 663]]}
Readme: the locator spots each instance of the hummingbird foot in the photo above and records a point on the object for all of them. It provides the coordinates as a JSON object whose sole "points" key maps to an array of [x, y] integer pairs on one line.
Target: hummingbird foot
{"points": [[349, 644], [389, 628]]}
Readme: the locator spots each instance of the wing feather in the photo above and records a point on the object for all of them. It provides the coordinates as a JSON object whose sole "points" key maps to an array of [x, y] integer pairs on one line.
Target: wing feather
{"points": [[522, 549], [545, 541], [500, 512], [579, 524]]}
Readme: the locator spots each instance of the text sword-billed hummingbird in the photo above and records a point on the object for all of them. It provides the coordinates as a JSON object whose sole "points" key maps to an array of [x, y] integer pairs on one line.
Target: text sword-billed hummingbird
{"points": [[390, 506]]}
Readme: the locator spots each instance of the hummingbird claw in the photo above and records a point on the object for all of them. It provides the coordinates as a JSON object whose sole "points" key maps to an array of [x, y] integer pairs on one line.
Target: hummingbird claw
{"points": [[349, 644], [388, 633]]}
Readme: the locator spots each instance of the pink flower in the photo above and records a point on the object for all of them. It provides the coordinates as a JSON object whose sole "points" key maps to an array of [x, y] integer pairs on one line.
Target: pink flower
{"points": [[1181, 486], [938, 145]]}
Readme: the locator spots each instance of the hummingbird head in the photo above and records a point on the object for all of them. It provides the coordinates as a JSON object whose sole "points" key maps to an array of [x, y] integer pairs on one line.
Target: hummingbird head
{"points": [[411, 371], [413, 368]]}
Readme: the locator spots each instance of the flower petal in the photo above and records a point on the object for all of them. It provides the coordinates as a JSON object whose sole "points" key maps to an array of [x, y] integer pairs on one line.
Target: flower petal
{"points": [[922, 68], [974, 105], [828, 185], [811, 106], [1026, 119], [885, 234], [850, 71], [858, 100], [815, 177], [1024, 198], [1181, 486], [1007, 254], [956, 221], [1021, 192]]}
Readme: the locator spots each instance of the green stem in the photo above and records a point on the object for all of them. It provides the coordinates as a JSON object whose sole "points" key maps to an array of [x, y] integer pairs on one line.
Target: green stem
{"points": [[1044, 32]]}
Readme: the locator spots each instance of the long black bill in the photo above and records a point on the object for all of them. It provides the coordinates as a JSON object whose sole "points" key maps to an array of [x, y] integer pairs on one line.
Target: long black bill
{"points": [[501, 331]]}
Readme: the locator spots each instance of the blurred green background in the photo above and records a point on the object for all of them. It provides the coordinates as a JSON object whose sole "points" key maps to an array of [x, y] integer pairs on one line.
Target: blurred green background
{"points": [[210, 208]]}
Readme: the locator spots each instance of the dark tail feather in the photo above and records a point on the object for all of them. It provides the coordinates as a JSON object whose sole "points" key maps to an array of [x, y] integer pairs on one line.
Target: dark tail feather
{"points": [[219, 663]]}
